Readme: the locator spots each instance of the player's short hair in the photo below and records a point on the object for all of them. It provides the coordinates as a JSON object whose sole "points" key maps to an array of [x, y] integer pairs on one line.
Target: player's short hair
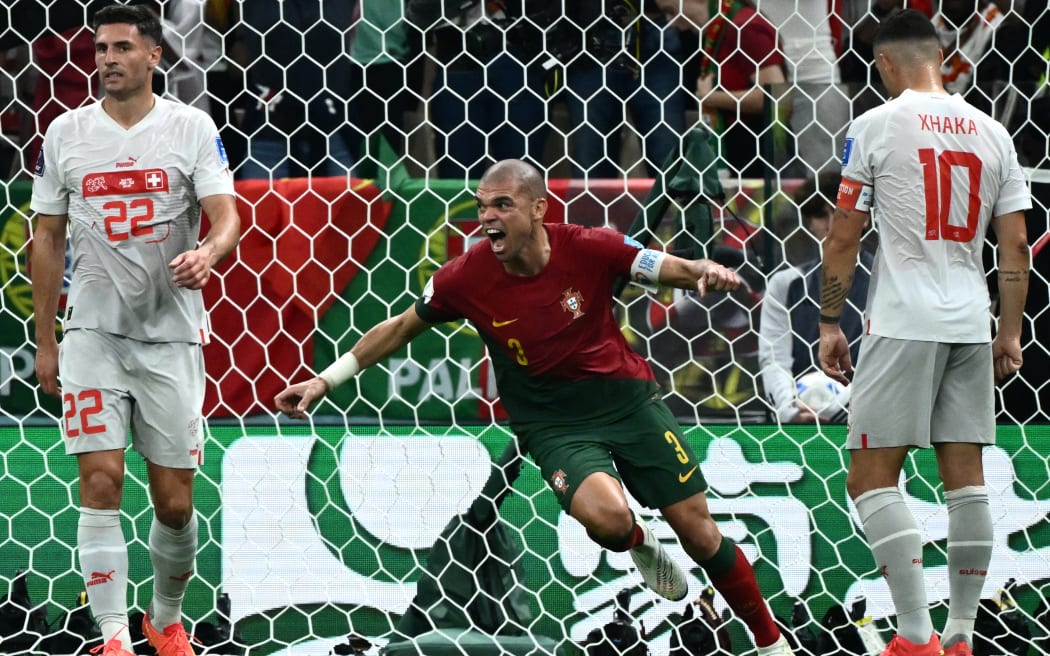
{"points": [[529, 179], [143, 18], [907, 26]]}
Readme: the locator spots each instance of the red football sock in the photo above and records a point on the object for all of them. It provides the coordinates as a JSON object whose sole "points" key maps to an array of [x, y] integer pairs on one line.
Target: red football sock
{"points": [[740, 590], [637, 537]]}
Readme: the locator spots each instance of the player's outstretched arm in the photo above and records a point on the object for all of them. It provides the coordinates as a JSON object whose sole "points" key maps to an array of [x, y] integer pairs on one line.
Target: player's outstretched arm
{"points": [[49, 263], [192, 269], [1014, 259], [375, 345], [699, 275]]}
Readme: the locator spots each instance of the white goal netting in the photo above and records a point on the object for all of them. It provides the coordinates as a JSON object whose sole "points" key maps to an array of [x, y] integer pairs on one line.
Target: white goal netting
{"points": [[354, 135]]}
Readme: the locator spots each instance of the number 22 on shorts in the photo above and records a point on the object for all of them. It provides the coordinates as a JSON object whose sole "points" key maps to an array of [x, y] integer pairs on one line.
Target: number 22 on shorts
{"points": [[80, 411]]}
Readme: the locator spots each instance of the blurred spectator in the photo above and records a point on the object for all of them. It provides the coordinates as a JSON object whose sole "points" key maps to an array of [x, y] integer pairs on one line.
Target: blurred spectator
{"points": [[183, 59], [788, 327], [63, 54], [740, 51], [864, 16], [630, 61], [820, 105], [299, 79], [1027, 113], [487, 102], [387, 76], [965, 31], [224, 75]]}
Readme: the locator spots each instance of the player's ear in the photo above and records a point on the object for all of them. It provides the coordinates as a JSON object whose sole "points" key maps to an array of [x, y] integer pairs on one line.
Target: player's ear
{"points": [[539, 207]]}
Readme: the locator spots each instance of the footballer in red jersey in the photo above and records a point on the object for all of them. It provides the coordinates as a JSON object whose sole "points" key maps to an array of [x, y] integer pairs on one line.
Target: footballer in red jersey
{"points": [[583, 405]]}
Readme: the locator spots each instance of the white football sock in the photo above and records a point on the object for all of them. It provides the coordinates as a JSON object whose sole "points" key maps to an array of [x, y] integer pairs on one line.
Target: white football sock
{"points": [[970, 536], [104, 563], [173, 552], [897, 548]]}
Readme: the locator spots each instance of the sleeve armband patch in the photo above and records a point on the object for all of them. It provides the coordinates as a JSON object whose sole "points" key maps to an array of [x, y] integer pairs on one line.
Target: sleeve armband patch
{"points": [[646, 266], [854, 195]]}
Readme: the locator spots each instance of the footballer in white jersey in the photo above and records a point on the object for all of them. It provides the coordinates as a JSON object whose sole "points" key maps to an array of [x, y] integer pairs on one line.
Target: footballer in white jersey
{"points": [[928, 282], [131, 196], [935, 174]]}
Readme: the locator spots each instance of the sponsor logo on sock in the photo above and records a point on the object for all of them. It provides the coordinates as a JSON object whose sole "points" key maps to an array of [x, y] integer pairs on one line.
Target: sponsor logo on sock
{"points": [[973, 571], [98, 578], [182, 577]]}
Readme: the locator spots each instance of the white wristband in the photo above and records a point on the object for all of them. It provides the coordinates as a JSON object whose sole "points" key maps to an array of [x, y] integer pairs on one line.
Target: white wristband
{"points": [[340, 371]]}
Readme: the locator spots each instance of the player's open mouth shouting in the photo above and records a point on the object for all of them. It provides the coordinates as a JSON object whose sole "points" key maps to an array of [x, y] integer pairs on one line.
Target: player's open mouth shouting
{"points": [[497, 238]]}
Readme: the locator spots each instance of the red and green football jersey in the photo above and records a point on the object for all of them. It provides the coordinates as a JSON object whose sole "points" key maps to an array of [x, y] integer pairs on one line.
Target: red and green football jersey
{"points": [[556, 347]]}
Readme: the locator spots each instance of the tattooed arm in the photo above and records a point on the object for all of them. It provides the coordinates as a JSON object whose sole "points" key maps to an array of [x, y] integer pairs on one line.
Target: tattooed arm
{"points": [[839, 265], [1014, 262]]}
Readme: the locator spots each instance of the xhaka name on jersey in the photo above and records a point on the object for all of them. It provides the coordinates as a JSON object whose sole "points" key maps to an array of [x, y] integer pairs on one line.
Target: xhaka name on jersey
{"points": [[947, 124]]}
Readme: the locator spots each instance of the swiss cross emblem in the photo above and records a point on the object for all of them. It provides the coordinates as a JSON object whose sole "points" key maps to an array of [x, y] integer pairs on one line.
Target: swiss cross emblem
{"points": [[156, 179], [572, 301]]}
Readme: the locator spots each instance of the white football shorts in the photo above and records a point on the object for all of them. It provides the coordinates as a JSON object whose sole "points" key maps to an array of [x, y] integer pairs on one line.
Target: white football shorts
{"points": [[112, 385], [912, 393]]}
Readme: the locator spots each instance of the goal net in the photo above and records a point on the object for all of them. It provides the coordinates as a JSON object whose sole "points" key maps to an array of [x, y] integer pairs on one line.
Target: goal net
{"points": [[387, 520]]}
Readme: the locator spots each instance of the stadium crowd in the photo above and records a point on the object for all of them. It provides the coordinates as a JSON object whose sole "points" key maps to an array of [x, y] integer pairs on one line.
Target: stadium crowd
{"points": [[308, 87]]}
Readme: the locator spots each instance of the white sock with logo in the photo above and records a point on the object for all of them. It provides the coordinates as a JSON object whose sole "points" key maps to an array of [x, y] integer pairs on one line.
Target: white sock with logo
{"points": [[103, 556], [173, 552], [896, 545], [970, 535]]}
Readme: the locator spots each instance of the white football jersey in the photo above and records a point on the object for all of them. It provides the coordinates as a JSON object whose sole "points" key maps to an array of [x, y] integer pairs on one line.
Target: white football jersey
{"points": [[939, 169], [132, 198]]}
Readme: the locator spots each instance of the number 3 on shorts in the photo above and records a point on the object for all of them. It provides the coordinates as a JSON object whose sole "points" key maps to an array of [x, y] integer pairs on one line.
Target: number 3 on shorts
{"points": [[680, 453]]}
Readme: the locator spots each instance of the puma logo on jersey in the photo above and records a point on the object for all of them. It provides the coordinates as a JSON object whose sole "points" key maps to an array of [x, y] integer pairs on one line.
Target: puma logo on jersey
{"points": [[129, 162]]}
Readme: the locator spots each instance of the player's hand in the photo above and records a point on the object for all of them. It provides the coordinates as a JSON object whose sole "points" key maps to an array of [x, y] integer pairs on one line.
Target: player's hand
{"points": [[295, 400], [804, 416], [192, 269], [704, 86], [717, 277], [834, 353], [47, 367], [1006, 356]]}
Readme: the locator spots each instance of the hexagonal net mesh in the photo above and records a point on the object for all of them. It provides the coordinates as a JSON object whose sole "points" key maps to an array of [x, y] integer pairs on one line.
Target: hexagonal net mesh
{"points": [[356, 132]]}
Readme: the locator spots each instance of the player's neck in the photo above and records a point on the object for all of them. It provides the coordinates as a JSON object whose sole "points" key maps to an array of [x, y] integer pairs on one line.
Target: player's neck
{"points": [[533, 257], [925, 80], [128, 112]]}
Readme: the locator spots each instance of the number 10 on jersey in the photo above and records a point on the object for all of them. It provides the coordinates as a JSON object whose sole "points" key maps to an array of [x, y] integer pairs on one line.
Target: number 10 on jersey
{"points": [[937, 187]]}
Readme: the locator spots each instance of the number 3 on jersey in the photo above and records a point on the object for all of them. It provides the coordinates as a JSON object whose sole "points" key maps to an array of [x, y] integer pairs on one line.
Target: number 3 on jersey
{"points": [[937, 186]]}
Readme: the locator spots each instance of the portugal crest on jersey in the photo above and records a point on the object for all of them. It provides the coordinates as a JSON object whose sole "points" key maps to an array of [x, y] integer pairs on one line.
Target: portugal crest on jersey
{"points": [[559, 481], [572, 301]]}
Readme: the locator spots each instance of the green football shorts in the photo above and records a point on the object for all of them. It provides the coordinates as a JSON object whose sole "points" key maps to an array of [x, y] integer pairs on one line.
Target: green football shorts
{"points": [[646, 451]]}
